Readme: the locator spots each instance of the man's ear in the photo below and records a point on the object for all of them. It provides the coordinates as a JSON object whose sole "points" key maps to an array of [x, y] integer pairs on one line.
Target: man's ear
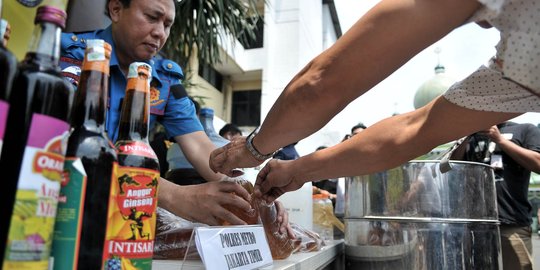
{"points": [[115, 8]]}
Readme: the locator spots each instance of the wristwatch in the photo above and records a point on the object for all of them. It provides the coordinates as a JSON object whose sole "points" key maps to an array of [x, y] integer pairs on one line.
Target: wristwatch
{"points": [[256, 154]]}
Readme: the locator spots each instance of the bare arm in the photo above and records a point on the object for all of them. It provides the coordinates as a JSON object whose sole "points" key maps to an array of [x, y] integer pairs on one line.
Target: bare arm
{"points": [[197, 148], [379, 43], [528, 159], [384, 145]]}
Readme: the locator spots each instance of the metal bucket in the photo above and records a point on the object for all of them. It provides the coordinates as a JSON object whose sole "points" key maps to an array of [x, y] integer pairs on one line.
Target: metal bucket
{"points": [[415, 217]]}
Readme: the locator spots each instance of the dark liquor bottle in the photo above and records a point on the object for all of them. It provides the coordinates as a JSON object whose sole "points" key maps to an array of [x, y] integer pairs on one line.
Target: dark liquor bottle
{"points": [[81, 221], [34, 147], [8, 69], [132, 210]]}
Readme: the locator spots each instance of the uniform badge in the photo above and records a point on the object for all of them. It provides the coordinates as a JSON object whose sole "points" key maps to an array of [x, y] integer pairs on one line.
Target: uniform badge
{"points": [[72, 74], [154, 97]]}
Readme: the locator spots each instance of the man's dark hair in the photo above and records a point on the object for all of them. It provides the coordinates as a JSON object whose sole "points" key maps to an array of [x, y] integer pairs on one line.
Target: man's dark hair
{"points": [[125, 3], [359, 125], [232, 128]]}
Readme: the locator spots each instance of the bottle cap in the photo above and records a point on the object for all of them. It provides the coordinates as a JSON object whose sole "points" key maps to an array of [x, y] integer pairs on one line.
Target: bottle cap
{"points": [[97, 50], [137, 69], [51, 14]]}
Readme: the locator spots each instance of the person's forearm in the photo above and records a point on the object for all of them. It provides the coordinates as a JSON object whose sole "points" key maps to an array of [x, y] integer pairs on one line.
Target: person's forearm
{"points": [[528, 159], [394, 141], [379, 43], [197, 147], [167, 191]]}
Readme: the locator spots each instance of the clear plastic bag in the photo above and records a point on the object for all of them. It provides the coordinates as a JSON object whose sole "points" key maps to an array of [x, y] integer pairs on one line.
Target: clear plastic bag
{"points": [[281, 246], [174, 237], [306, 240]]}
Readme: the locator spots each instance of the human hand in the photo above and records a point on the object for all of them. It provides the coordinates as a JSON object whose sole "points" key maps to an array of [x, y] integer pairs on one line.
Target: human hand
{"points": [[205, 203], [493, 133], [232, 156], [275, 179], [283, 220]]}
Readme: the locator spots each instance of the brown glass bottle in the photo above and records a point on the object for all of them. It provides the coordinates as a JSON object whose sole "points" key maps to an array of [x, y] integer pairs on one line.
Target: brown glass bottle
{"points": [[134, 194], [79, 232], [32, 152], [8, 69]]}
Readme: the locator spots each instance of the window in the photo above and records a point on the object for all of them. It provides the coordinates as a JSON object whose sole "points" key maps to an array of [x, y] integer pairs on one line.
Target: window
{"points": [[246, 108], [211, 75]]}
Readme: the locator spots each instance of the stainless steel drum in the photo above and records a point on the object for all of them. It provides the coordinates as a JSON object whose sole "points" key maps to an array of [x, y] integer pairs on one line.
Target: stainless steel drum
{"points": [[415, 217]]}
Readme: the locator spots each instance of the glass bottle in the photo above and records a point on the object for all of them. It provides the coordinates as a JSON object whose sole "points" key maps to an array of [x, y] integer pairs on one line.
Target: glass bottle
{"points": [[207, 120], [323, 216], [34, 146], [79, 233], [8, 68], [133, 201]]}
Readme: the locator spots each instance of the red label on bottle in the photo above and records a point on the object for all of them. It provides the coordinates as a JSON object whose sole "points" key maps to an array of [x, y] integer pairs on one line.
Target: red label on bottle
{"points": [[135, 148]]}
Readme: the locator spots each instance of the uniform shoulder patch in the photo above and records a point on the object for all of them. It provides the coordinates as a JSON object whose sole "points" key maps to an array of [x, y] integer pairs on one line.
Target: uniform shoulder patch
{"points": [[170, 67], [178, 91]]}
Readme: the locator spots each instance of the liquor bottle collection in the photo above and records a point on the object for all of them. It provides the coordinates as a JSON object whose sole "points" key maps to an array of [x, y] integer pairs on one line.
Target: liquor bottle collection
{"points": [[72, 199]]}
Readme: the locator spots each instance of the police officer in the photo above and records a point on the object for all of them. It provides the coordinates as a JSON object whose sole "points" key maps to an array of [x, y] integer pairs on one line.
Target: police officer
{"points": [[139, 29]]}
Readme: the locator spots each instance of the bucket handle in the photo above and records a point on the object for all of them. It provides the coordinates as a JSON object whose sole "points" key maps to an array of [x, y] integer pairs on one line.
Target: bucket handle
{"points": [[445, 165]]}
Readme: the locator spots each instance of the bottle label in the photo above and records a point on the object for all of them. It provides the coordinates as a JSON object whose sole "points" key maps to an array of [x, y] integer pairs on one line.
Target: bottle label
{"points": [[69, 217], [135, 148], [4, 108], [31, 230], [132, 219]]}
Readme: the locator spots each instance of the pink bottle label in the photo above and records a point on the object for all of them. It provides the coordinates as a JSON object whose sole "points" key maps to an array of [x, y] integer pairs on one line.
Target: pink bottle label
{"points": [[4, 106], [32, 222]]}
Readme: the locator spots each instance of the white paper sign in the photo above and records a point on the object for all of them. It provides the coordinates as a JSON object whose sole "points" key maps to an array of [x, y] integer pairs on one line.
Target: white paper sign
{"points": [[233, 247]]}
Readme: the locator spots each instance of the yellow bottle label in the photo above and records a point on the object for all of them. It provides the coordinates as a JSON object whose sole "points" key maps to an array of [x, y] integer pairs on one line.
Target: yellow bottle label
{"points": [[132, 219]]}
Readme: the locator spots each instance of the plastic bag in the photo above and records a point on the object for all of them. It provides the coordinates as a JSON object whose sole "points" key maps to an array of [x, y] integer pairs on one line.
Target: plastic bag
{"points": [[306, 240], [281, 246], [251, 217], [173, 237]]}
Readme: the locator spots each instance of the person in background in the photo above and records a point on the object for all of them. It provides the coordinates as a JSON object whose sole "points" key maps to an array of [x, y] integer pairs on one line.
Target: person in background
{"points": [[180, 170], [329, 185], [287, 153], [357, 128], [513, 151], [230, 131], [138, 31], [375, 46], [160, 143]]}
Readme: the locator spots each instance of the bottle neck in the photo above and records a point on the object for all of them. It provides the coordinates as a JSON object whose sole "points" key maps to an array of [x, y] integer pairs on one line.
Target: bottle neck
{"points": [[89, 108], [45, 45], [134, 124], [207, 121]]}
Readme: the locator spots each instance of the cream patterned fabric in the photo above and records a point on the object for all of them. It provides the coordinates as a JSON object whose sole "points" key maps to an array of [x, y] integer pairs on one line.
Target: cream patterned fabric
{"points": [[514, 85]]}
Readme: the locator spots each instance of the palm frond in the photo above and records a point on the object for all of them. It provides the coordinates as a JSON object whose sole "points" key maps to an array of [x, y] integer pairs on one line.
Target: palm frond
{"points": [[203, 23]]}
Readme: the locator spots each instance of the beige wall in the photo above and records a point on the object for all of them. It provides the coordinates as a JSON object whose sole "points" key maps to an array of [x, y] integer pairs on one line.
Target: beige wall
{"points": [[21, 19]]}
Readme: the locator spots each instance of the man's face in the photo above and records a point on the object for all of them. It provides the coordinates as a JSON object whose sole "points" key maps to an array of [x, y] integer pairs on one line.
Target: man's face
{"points": [[140, 30]]}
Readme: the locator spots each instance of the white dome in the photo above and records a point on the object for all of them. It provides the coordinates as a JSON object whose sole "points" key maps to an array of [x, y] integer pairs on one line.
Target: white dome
{"points": [[433, 88]]}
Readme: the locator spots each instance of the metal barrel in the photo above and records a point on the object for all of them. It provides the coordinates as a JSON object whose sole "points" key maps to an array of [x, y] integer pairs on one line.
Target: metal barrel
{"points": [[415, 217]]}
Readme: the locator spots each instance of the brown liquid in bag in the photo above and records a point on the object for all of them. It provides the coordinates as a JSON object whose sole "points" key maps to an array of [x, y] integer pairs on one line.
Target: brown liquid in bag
{"points": [[281, 246]]}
